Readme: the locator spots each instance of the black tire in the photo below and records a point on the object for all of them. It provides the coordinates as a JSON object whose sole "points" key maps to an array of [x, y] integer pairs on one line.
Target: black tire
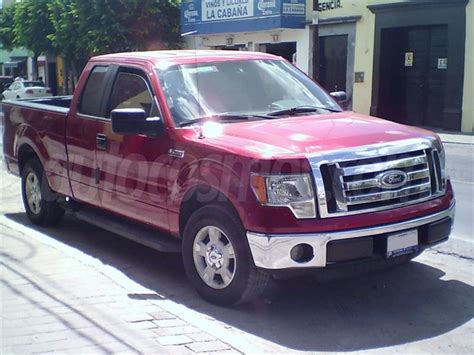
{"points": [[247, 282], [46, 211]]}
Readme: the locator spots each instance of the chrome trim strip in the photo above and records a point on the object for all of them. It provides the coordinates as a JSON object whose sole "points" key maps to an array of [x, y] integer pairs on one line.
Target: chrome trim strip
{"points": [[370, 183], [388, 195], [319, 159], [389, 165], [416, 175], [433, 161], [273, 251], [361, 184]]}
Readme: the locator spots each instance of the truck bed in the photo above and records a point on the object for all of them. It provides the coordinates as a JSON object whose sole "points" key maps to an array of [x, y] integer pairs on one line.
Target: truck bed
{"points": [[38, 126]]}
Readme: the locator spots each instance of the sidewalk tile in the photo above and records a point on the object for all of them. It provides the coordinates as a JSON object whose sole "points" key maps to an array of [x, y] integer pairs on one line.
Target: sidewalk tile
{"points": [[206, 346], [174, 340]]}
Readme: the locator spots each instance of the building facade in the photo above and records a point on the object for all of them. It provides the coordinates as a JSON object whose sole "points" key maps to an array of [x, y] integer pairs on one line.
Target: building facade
{"points": [[410, 61]]}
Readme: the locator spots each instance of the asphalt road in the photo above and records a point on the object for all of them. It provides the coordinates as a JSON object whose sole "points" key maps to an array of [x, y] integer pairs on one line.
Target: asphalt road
{"points": [[460, 168], [425, 306]]}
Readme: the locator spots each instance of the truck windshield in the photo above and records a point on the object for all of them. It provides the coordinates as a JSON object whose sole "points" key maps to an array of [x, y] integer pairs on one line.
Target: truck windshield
{"points": [[247, 87]]}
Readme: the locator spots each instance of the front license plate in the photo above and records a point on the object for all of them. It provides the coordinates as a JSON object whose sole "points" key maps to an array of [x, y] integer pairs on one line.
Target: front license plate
{"points": [[402, 243]]}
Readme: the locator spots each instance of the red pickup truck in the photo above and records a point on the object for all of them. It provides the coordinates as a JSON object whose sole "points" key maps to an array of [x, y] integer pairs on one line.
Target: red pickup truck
{"points": [[238, 160]]}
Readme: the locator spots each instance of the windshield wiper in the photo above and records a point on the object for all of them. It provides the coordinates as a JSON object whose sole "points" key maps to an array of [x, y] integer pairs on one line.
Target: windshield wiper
{"points": [[223, 117], [301, 109]]}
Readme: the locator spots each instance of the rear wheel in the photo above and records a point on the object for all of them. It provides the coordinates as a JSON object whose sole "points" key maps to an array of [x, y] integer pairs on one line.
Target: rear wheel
{"points": [[217, 258], [40, 202]]}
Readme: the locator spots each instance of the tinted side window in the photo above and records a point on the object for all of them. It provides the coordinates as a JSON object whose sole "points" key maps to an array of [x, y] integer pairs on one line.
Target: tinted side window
{"points": [[131, 91], [93, 90]]}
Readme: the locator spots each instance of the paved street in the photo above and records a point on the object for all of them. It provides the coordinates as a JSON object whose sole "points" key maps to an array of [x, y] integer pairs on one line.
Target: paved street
{"points": [[78, 289]]}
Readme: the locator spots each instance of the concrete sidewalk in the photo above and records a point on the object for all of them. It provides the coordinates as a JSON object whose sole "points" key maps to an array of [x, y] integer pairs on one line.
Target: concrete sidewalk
{"points": [[457, 138], [53, 301]]}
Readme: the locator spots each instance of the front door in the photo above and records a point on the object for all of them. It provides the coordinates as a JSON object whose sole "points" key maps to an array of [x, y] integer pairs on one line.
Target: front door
{"points": [[133, 168], [413, 75]]}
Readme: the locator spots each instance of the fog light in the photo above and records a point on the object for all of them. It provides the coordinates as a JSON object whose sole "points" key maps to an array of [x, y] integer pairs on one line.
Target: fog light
{"points": [[302, 253]]}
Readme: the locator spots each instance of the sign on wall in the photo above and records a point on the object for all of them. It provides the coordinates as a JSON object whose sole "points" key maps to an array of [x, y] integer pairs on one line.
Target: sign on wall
{"points": [[216, 10], [442, 63], [408, 59], [224, 16], [325, 5]]}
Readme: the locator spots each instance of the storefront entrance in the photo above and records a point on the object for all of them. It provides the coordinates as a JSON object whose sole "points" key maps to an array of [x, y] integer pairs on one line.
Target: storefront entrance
{"points": [[413, 75], [285, 50], [419, 53]]}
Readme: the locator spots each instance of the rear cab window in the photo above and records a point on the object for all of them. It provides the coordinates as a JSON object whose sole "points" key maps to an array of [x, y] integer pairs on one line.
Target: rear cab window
{"points": [[92, 94]]}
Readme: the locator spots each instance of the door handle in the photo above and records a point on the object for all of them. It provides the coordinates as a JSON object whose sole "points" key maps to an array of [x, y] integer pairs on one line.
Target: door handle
{"points": [[101, 141]]}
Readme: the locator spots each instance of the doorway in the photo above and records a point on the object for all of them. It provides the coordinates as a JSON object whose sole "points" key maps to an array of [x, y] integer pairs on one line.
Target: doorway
{"points": [[413, 75], [333, 62], [285, 50], [52, 79], [230, 48]]}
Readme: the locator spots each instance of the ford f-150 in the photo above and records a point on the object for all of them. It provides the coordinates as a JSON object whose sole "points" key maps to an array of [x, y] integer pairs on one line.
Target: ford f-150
{"points": [[236, 159]]}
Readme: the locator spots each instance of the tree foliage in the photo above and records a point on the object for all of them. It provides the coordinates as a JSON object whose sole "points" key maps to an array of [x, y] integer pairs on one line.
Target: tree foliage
{"points": [[78, 29], [32, 26], [6, 26]]}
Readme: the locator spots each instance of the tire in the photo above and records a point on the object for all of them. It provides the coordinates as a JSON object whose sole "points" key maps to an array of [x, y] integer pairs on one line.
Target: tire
{"points": [[40, 202], [227, 259]]}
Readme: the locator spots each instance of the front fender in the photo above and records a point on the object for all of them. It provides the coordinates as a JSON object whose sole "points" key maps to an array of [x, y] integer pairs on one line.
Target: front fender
{"points": [[225, 176]]}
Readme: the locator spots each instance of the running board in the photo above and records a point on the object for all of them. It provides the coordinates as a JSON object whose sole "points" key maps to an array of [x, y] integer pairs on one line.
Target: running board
{"points": [[125, 228]]}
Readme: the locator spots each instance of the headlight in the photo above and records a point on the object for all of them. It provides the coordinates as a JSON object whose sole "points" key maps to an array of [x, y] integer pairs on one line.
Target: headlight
{"points": [[292, 191]]}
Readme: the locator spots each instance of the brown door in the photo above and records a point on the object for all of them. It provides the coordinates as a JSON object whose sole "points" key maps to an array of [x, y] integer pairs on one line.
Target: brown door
{"points": [[413, 76]]}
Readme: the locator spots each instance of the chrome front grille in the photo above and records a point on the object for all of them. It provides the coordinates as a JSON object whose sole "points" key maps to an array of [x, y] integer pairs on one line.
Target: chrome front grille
{"points": [[377, 178]]}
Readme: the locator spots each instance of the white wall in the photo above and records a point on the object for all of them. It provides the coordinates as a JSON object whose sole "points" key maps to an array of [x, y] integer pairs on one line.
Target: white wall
{"points": [[255, 39]]}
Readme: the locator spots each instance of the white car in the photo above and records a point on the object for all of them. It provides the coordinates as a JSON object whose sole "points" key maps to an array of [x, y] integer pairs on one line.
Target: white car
{"points": [[23, 89]]}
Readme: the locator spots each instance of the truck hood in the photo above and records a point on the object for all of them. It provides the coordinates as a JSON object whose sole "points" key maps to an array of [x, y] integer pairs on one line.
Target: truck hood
{"points": [[295, 137]]}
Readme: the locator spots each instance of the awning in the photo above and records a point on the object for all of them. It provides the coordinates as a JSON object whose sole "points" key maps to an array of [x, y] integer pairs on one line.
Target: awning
{"points": [[12, 64]]}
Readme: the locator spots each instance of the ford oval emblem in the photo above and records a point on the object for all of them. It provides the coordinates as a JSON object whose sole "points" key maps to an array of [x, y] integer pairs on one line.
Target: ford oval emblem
{"points": [[392, 179]]}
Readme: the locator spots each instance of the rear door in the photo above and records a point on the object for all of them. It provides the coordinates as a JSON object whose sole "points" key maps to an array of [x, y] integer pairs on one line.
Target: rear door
{"points": [[133, 168], [82, 133]]}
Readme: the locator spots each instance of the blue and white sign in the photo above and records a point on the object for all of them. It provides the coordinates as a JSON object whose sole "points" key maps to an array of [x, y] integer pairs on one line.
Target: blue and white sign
{"points": [[218, 10], [224, 16]]}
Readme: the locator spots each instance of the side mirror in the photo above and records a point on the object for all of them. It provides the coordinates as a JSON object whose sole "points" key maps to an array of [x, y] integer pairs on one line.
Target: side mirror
{"points": [[128, 121], [339, 96]]}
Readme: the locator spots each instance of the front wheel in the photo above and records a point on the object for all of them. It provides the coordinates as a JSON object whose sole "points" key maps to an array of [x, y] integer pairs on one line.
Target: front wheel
{"points": [[217, 258], [40, 202]]}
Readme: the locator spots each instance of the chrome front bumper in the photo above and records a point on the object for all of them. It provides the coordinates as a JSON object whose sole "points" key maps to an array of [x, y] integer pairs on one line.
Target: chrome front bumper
{"points": [[273, 251]]}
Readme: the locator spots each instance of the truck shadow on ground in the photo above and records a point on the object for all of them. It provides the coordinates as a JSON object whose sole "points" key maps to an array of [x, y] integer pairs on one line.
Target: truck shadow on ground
{"points": [[401, 305]]}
